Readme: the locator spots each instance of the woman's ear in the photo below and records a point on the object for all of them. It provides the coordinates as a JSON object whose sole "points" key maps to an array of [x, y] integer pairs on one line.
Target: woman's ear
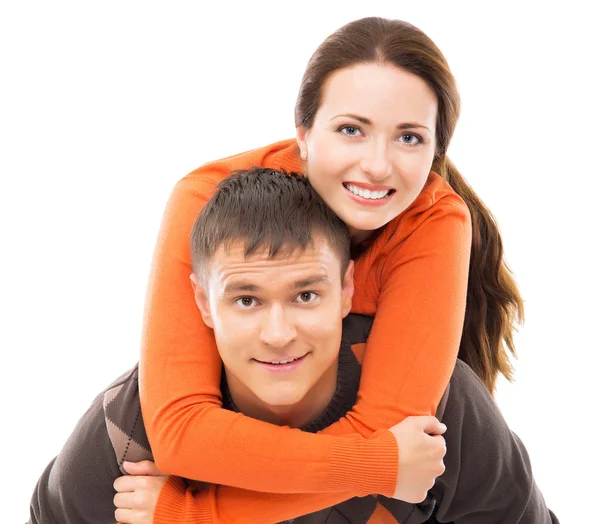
{"points": [[202, 302], [301, 138]]}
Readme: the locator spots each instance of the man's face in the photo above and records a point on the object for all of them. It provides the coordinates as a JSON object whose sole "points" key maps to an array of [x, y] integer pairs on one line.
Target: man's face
{"points": [[277, 322]]}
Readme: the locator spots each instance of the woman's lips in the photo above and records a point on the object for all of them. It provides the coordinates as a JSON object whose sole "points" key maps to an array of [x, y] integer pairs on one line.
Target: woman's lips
{"points": [[372, 187], [365, 201]]}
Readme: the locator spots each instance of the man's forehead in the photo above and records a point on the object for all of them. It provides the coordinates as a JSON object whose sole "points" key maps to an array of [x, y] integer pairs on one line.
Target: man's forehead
{"points": [[231, 269]]}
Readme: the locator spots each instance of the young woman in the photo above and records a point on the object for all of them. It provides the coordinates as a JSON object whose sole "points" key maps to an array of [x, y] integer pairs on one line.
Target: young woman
{"points": [[376, 110]]}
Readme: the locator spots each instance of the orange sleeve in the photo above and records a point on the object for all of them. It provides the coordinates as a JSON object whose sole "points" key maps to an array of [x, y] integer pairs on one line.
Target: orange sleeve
{"points": [[214, 504], [419, 288], [191, 435], [421, 285]]}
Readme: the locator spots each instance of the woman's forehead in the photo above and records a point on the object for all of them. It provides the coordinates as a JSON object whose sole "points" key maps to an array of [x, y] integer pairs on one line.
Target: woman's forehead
{"points": [[375, 90]]}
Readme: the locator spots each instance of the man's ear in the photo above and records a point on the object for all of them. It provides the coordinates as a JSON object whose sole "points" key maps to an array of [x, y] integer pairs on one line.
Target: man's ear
{"points": [[201, 300], [301, 138], [348, 289]]}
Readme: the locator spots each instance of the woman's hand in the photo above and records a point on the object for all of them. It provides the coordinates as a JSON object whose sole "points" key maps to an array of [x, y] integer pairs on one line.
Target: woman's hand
{"points": [[421, 450], [137, 493]]}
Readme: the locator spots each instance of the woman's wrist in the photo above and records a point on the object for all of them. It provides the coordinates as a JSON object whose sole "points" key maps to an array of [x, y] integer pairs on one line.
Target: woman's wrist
{"points": [[365, 466]]}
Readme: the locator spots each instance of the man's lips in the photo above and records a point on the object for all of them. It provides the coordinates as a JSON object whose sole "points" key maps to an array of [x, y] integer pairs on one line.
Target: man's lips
{"points": [[280, 359], [282, 364]]}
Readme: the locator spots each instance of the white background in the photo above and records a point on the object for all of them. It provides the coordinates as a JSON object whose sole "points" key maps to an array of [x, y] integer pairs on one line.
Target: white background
{"points": [[104, 106]]}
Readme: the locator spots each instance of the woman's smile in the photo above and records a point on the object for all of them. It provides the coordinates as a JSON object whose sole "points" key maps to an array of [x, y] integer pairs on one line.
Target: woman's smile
{"points": [[369, 194]]}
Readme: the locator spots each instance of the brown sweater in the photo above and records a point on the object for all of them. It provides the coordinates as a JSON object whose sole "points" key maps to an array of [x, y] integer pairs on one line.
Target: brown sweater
{"points": [[496, 484]]}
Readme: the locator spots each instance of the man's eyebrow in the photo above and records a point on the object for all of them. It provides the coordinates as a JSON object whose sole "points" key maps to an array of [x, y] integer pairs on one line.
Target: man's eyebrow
{"points": [[367, 122], [246, 287], [311, 281], [239, 287]]}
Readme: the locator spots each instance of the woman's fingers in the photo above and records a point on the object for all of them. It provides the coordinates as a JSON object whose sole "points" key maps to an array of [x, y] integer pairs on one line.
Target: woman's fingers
{"points": [[130, 483], [144, 467], [124, 500], [124, 516], [136, 497]]}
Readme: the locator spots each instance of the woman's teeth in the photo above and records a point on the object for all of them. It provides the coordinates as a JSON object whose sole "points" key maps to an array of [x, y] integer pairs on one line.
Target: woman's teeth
{"points": [[367, 193]]}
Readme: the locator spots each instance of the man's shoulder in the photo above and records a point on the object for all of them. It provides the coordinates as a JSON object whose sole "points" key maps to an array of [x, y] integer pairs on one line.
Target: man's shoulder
{"points": [[79, 481], [124, 421], [356, 328]]}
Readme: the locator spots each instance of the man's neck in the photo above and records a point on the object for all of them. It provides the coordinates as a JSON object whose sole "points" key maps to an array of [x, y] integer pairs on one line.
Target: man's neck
{"points": [[307, 410]]}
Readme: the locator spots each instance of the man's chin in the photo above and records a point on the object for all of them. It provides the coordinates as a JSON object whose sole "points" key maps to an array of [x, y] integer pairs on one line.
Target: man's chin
{"points": [[281, 399]]}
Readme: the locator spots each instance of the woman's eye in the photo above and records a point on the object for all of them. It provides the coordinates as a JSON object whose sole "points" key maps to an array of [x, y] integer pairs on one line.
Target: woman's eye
{"points": [[349, 130], [307, 297], [245, 302], [410, 139]]}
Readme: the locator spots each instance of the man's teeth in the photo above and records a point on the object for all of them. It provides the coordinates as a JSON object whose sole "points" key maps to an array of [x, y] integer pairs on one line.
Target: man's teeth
{"points": [[285, 361], [366, 193]]}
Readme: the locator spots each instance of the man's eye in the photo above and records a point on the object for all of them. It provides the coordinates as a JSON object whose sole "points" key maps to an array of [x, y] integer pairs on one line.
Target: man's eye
{"points": [[307, 297], [245, 301]]}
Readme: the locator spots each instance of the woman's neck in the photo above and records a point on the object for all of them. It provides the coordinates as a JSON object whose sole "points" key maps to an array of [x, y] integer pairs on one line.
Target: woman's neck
{"points": [[357, 236]]}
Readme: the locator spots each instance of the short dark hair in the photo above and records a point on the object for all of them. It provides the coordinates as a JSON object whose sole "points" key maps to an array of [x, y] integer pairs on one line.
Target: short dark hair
{"points": [[266, 209]]}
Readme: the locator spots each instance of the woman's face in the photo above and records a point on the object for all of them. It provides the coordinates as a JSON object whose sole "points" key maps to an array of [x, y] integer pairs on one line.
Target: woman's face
{"points": [[371, 145]]}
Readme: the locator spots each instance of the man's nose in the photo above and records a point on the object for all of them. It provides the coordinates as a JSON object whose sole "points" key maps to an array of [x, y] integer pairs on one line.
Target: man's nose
{"points": [[277, 330]]}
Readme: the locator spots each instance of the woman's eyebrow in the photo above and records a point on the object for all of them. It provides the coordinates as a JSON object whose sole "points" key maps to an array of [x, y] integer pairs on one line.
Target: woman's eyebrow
{"points": [[412, 125], [367, 122]]}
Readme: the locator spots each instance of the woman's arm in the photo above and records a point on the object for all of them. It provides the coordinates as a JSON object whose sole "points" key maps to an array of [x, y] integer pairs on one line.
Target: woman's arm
{"points": [[208, 503], [189, 432], [415, 278], [178, 501], [142, 499], [192, 436]]}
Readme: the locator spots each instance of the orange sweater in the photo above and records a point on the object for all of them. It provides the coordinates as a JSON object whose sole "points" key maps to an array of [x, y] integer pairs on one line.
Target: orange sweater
{"points": [[414, 277]]}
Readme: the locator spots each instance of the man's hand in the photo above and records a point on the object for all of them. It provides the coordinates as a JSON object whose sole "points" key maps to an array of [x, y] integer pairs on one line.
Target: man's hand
{"points": [[137, 493], [421, 449]]}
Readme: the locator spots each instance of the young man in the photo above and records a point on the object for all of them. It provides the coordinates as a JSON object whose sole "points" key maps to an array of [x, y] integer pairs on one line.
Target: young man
{"points": [[273, 279]]}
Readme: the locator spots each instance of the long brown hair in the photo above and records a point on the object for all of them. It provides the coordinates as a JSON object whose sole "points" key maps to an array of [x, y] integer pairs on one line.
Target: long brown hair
{"points": [[494, 305]]}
